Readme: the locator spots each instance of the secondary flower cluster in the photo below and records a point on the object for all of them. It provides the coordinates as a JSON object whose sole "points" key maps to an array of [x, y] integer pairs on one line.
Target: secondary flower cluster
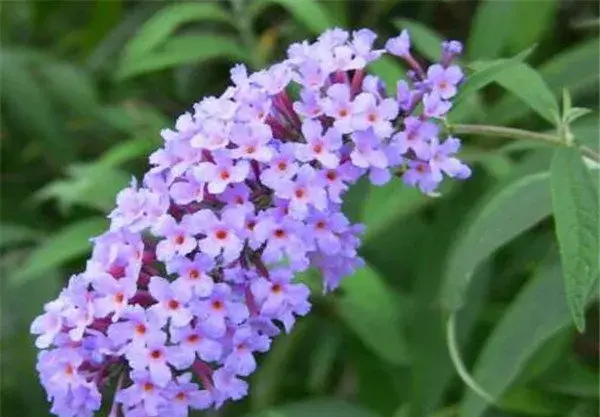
{"points": [[195, 274]]}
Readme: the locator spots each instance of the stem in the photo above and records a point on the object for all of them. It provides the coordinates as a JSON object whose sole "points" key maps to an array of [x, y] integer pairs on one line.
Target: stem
{"points": [[453, 350], [512, 133]]}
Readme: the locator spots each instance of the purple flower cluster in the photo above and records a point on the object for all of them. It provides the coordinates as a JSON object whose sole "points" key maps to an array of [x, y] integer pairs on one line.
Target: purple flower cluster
{"points": [[194, 276]]}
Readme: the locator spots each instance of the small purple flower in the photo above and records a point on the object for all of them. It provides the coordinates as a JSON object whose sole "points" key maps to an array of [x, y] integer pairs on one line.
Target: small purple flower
{"points": [[178, 238], [245, 341], [416, 137], [229, 385], [214, 312], [143, 391], [136, 327], [281, 168], [444, 80], [193, 274], [400, 45], [326, 230], [252, 141], [311, 75], [155, 357], [49, 324], [303, 193], [440, 160], [214, 135], [369, 114], [319, 146], [222, 173], [434, 106], [187, 190], [366, 152], [193, 341], [186, 394], [419, 174], [172, 302], [222, 234], [338, 105], [115, 295], [362, 44], [337, 180], [310, 104]]}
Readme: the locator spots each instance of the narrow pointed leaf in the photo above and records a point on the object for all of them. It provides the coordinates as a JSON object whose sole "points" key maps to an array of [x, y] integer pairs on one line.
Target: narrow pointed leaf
{"points": [[67, 244], [524, 328], [163, 23], [527, 84], [182, 50], [375, 314], [504, 215], [575, 204]]}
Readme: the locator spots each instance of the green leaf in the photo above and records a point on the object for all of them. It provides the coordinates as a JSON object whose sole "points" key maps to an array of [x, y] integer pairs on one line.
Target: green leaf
{"points": [[424, 39], [526, 325], [527, 84], [571, 378], [503, 215], [24, 100], [309, 13], [389, 70], [166, 21], [375, 314], [182, 50], [323, 358], [319, 407], [530, 21], [92, 185], [383, 205], [532, 402], [585, 130], [16, 234], [491, 25], [267, 380], [575, 70], [69, 243], [71, 86], [490, 72], [126, 151], [575, 204]]}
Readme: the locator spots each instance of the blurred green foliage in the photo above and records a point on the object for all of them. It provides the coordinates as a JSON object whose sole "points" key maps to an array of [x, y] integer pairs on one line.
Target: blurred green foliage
{"points": [[85, 88]]}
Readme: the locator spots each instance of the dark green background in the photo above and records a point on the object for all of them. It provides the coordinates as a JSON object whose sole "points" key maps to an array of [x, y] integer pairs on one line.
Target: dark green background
{"points": [[85, 88]]}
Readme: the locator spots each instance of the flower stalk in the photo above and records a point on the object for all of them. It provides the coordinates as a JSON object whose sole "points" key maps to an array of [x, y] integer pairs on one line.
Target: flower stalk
{"points": [[512, 133]]}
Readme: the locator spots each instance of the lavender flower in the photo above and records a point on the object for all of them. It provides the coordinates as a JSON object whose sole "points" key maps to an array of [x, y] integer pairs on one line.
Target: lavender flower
{"points": [[195, 275]]}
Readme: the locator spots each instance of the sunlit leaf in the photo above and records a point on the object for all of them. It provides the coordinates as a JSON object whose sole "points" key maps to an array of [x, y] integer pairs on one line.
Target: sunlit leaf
{"points": [[67, 244], [530, 21], [491, 71], [182, 50], [527, 84], [575, 206], [576, 70], [490, 28], [164, 22], [308, 13]]}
